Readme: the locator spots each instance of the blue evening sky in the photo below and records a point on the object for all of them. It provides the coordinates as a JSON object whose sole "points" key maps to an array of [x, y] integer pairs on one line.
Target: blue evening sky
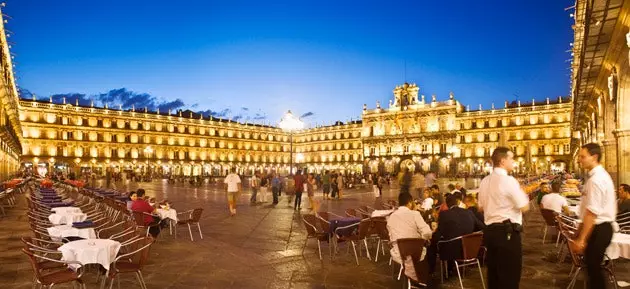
{"points": [[325, 57]]}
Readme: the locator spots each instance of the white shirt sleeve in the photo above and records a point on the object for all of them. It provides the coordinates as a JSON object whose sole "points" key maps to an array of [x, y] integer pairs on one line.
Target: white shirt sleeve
{"points": [[481, 200], [517, 195], [238, 179]]}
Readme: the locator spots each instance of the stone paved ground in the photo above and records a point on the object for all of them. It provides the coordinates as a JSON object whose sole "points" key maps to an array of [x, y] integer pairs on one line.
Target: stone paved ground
{"points": [[263, 247]]}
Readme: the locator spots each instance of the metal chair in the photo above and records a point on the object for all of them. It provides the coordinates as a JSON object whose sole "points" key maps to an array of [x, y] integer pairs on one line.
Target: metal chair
{"points": [[471, 245], [131, 262], [412, 248], [193, 219], [314, 231]]}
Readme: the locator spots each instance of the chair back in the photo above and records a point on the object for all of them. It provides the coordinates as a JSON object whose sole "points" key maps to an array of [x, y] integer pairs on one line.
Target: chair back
{"points": [[379, 227], [34, 264], [413, 248], [471, 244], [195, 216], [310, 222], [549, 216], [576, 258], [351, 212], [138, 218], [365, 228], [323, 224]]}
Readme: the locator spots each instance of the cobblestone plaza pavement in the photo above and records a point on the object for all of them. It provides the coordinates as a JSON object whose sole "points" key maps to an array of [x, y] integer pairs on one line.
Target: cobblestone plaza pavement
{"points": [[263, 247]]}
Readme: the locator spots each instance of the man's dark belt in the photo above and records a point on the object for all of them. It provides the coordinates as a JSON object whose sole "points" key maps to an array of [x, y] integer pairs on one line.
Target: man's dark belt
{"points": [[506, 226]]}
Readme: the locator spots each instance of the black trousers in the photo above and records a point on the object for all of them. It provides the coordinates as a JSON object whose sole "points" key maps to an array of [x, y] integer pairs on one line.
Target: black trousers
{"points": [[276, 192], [594, 254], [298, 200], [505, 257]]}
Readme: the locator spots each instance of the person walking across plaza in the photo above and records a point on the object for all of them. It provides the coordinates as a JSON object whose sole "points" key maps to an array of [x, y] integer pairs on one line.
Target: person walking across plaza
{"points": [[326, 184], [276, 184], [598, 211], [503, 201], [255, 185], [233, 186], [299, 188], [264, 187], [340, 184]]}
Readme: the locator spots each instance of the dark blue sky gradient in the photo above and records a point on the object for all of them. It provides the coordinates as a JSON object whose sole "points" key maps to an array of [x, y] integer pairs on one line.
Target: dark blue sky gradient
{"points": [[328, 57]]}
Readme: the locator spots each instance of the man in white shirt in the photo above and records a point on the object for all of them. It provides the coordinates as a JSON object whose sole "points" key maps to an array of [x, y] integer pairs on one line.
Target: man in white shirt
{"points": [[233, 186], [598, 211], [502, 201], [554, 201], [406, 222], [255, 182]]}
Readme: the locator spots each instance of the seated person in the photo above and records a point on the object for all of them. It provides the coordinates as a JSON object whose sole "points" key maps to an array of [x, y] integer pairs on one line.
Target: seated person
{"points": [[132, 197], [406, 222], [141, 205], [554, 201], [471, 205], [460, 199], [427, 201], [624, 199], [461, 189], [453, 223], [542, 191]]}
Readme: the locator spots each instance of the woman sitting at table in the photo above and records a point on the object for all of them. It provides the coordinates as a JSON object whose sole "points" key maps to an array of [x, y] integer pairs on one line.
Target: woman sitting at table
{"points": [[132, 197], [141, 205]]}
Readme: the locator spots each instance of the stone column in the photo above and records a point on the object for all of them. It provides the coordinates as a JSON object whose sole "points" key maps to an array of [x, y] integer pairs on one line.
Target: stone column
{"points": [[623, 155], [609, 159]]}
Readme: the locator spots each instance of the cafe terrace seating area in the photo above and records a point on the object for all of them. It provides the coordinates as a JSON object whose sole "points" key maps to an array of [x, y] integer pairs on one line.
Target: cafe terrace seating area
{"points": [[71, 236]]}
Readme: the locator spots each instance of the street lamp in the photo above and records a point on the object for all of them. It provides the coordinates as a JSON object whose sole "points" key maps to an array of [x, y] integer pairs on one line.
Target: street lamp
{"points": [[290, 123]]}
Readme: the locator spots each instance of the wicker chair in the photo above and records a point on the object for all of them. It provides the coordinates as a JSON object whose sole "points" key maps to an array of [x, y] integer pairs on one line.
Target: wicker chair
{"points": [[131, 262], [315, 231], [43, 275], [193, 217]]}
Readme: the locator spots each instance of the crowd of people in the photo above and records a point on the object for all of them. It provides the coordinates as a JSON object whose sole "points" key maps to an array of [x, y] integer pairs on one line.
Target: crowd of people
{"points": [[498, 213]]}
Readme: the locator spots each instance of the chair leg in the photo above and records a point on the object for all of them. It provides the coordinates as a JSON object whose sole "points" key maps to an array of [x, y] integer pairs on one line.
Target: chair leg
{"points": [[545, 234], [574, 279], [458, 275], [139, 280], [143, 284], [354, 247], [481, 274], [190, 231], [111, 283], [199, 227], [367, 250], [400, 271], [441, 271], [319, 249], [557, 238]]}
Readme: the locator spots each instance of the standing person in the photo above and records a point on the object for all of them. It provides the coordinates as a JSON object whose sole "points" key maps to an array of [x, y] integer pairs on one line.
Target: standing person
{"points": [[299, 188], [340, 184], [264, 187], [255, 183], [598, 211], [310, 190], [405, 181], [503, 201], [276, 184], [326, 184], [429, 179], [108, 178], [334, 187], [233, 182]]}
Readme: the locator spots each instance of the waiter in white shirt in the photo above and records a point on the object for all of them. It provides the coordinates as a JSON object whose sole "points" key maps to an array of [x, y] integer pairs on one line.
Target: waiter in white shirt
{"points": [[502, 200], [598, 211]]}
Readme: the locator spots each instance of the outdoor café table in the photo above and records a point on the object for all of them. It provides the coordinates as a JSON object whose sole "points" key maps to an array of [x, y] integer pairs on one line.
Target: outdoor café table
{"points": [[64, 231], [65, 210], [619, 246], [575, 210], [92, 251], [170, 214], [66, 218], [343, 222]]}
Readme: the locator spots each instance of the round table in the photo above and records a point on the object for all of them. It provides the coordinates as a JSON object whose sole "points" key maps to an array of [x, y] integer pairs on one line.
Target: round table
{"points": [[619, 246], [66, 210], [64, 231], [66, 218], [93, 251]]}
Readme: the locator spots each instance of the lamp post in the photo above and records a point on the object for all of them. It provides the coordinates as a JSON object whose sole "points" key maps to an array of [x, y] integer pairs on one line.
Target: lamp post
{"points": [[290, 123]]}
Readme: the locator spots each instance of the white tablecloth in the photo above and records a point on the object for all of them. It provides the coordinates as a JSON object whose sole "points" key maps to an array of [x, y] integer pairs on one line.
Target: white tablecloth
{"points": [[167, 214], [619, 246], [63, 231], [575, 209], [66, 218], [66, 210], [94, 251]]}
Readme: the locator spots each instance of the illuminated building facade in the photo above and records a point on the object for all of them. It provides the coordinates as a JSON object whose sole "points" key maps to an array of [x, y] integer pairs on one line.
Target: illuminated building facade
{"points": [[600, 82]]}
